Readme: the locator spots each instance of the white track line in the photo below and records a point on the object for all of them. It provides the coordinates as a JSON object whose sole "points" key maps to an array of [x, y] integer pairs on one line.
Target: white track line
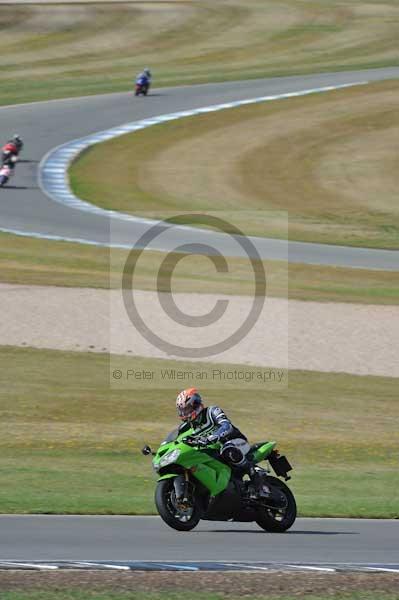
{"points": [[182, 566], [57, 238], [382, 569], [246, 566], [177, 567], [301, 567], [101, 565], [29, 565], [53, 168]]}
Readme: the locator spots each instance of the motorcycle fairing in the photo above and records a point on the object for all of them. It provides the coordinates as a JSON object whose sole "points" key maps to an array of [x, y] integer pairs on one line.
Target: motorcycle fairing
{"points": [[212, 473]]}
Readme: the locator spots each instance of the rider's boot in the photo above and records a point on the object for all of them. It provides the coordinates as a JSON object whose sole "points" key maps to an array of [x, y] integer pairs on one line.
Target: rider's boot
{"points": [[257, 487]]}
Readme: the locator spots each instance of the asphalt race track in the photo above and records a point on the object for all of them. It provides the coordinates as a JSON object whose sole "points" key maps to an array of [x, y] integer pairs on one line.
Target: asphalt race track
{"points": [[29, 538], [25, 209]]}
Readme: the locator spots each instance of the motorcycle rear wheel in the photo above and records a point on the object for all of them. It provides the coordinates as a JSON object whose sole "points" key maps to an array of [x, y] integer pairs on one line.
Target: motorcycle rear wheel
{"points": [[175, 518], [278, 520]]}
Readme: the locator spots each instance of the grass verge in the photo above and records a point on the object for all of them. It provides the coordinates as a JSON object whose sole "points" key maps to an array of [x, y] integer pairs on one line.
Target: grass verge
{"points": [[329, 161], [62, 425], [29, 261], [54, 51]]}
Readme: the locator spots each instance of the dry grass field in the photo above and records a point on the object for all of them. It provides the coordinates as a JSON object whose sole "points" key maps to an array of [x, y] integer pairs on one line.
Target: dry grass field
{"points": [[53, 50]]}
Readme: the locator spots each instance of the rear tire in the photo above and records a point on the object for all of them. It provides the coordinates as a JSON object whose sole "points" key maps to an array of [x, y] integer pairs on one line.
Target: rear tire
{"points": [[164, 500], [278, 520]]}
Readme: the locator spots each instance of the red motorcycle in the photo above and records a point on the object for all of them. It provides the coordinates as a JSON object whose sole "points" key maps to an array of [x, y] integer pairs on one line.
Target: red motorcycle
{"points": [[8, 150]]}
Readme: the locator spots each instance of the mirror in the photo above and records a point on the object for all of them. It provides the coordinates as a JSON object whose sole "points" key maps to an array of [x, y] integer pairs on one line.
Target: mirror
{"points": [[146, 450]]}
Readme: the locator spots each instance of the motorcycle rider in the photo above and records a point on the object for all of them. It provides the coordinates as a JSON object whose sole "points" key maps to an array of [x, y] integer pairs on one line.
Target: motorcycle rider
{"points": [[12, 148], [9, 160], [210, 424], [17, 141], [146, 75]]}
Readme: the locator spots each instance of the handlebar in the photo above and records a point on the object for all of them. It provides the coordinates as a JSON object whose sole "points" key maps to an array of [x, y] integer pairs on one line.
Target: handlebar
{"points": [[192, 441], [189, 441]]}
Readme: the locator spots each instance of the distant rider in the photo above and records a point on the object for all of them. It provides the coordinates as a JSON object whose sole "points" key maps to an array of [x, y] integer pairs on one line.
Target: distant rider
{"points": [[145, 76], [12, 148], [147, 73], [210, 425], [9, 160], [16, 139]]}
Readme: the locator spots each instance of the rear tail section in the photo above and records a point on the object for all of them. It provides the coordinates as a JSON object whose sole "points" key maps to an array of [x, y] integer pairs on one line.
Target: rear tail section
{"points": [[262, 451]]}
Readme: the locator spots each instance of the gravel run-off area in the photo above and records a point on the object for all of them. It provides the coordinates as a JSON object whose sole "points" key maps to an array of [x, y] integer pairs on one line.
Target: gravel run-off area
{"points": [[329, 337], [244, 584]]}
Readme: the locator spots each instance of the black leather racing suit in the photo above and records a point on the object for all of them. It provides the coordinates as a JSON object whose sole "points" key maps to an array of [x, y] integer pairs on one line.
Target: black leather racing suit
{"points": [[213, 424]]}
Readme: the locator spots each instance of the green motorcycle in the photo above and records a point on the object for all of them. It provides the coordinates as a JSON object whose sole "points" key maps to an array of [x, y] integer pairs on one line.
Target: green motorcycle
{"points": [[195, 483]]}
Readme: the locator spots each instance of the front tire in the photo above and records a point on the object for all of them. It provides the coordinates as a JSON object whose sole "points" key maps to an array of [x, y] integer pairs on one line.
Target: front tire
{"points": [[165, 500], [278, 520]]}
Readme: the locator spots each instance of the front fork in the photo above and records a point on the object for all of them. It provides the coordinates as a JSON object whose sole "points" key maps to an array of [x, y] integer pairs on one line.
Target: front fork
{"points": [[181, 484]]}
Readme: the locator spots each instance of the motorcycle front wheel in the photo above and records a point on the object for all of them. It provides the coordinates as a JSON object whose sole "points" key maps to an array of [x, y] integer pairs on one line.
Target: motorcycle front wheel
{"points": [[179, 518], [278, 520]]}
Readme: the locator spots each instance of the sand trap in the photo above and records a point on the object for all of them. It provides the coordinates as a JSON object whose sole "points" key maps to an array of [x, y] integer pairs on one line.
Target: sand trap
{"points": [[337, 337]]}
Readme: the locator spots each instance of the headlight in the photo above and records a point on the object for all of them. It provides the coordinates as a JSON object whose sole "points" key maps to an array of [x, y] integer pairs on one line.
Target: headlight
{"points": [[170, 457]]}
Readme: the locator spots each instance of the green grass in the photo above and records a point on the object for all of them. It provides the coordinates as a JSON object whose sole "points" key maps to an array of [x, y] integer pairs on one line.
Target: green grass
{"points": [[53, 51], [71, 444], [327, 162], [71, 481], [121, 482]]}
